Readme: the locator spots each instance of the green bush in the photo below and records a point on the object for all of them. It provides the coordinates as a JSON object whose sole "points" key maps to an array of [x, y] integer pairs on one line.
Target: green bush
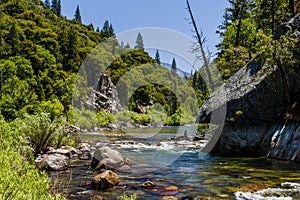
{"points": [[19, 178], [201, 128], [84, 119], [42, 132], [104, 118], [125, 197]]}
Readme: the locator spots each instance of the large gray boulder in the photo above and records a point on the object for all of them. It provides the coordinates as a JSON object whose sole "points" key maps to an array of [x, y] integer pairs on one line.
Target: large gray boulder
{"points": [[251, 106], [107, 158], [52, 162]]}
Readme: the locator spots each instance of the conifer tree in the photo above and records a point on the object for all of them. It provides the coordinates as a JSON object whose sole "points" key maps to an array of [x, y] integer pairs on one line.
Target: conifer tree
{"points": [[47, 4], [157, 57], [127, 46], [72, 46], [139, 41], [174, 66], [98, 30], [77, 16], [13, 39], [111, 31], [56, 7], [107, 30]]}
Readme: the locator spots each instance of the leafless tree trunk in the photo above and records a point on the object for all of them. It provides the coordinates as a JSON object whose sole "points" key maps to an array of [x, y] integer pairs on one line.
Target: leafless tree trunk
{"points": [[200, 42], [236, 44]]}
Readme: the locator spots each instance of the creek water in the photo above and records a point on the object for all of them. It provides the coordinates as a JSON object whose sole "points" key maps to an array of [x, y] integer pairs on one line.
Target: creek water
{"points": [[160, 158]]}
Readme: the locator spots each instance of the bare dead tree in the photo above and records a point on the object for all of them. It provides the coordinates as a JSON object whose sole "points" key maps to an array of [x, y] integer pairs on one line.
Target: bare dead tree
{"points": [[200, 46], [236, 44]]}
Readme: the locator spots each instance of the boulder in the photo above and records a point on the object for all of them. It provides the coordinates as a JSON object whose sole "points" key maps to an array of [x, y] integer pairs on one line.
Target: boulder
{"points": [[112, 126], [52, 162], [65, 152], [251, 106], [105, 180], [107, 158]]}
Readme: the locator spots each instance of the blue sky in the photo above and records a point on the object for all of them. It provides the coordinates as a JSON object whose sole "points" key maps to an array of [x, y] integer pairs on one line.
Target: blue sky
{"points": [[168, 14]]}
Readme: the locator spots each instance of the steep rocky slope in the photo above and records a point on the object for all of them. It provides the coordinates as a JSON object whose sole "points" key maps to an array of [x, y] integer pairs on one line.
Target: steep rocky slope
{"points": [[256, 101]]}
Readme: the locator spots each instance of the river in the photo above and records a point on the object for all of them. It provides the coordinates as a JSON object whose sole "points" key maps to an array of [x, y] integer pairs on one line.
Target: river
{"points": [[159, 158]]}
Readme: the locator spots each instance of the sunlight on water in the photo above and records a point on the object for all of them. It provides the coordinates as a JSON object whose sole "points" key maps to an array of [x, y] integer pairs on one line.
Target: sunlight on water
{"points": [[181, 163]]}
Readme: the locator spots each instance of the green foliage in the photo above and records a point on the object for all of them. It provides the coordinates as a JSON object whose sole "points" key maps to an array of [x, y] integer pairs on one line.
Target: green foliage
{"points": [[125, 197], [238, 113], [19, 178], [201, 128], [40, 54], [260, 23], [42, 132], [104, 118], [84, 119]]}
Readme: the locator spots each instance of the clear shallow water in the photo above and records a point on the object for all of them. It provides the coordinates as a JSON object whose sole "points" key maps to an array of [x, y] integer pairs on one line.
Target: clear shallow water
{"points": [[174, 163]]}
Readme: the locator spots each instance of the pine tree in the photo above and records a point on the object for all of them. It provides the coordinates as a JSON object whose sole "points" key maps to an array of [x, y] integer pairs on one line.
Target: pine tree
{"points": [[157, 57], [174, 66], [139, 42], [111, 31], [98, 30], [72, 46], [47, 4], [77, 16], [13, 39], [122, 44], [107, 30], [270, 13], [56, 7], [127, 46], [234, 12]]}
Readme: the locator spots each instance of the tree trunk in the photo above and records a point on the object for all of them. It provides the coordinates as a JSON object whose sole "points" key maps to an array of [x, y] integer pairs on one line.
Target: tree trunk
{"points": [[236, 44], [199, 40]]}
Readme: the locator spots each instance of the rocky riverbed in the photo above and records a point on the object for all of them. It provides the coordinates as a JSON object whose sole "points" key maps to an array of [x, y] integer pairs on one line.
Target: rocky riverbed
{"points": [[160, 168]]}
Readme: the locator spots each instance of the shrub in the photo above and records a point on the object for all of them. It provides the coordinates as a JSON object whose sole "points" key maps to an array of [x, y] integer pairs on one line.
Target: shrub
{"points": [[85, 119], [42, 132], [19, 178], [104, 118], [125, 197]]}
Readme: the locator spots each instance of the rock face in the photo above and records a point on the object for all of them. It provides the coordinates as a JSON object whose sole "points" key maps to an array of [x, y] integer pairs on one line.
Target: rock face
{"points": [[106, 95], [285, 143], [252, 104], [107, 158], [105, 180]]}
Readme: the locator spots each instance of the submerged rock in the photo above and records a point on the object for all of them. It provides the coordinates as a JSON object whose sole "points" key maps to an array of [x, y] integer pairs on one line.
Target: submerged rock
{"points": [[168, 198], [105, 180], [148, 184]]}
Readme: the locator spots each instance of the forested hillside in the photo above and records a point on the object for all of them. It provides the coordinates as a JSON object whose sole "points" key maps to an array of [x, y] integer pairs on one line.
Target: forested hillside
{"points": [[40, 55], [251, 28]]}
